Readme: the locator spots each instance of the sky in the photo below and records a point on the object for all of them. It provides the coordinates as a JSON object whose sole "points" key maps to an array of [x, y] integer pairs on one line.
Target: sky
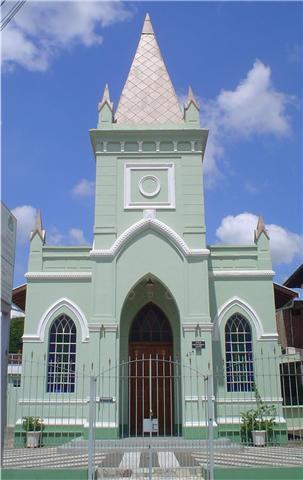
{"points": [[244, 63]]}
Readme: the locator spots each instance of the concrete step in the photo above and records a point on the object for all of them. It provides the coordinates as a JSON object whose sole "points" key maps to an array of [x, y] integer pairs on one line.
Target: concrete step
{"points": [[187, 473]]}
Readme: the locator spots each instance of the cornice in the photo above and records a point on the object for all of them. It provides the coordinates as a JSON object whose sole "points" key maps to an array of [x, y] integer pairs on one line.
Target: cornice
{"points": [[241, 273], [58, 275]]}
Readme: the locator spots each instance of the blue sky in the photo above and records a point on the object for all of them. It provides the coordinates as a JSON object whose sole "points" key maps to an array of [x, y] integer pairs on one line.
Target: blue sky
{"points": [[244, 62]]}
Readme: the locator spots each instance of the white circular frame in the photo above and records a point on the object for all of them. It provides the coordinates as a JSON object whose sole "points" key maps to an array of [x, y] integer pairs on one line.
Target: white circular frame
{"points": [[149, 194]]}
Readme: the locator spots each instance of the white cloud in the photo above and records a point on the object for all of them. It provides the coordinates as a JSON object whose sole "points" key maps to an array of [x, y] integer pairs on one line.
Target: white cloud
{"points": [[254, 107], [239, 229], [25, 215], [76, 236], [54, 236], [41, 29], [85, 188]]}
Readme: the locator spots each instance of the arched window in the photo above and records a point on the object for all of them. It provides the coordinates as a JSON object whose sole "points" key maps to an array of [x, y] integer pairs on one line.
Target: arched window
{"points": [[150, 325], [62, 356], [239, 356]]}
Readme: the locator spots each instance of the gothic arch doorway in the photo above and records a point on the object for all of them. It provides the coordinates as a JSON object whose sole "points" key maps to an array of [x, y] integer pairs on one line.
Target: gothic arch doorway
{"points": [[151, 387]]}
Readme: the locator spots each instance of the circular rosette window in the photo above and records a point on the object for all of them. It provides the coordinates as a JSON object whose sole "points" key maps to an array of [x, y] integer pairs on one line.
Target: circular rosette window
{"points": [[149, 186]]}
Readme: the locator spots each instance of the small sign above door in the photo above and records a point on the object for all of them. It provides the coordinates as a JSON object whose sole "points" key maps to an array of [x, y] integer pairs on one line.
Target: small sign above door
{"points": [[198, 344]]}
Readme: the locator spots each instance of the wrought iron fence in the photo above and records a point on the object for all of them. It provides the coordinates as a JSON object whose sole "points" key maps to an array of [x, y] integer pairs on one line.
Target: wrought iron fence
{"points": [[153, 417]]}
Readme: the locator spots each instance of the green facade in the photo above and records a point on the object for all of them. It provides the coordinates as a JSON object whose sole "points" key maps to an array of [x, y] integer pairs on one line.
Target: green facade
{"points": [[149, 224]]}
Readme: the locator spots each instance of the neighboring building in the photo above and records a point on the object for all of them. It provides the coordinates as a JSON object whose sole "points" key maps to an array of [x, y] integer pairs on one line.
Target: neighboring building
{"points": [[8, 245], [289, 313], [289, 316], [293, 315], [150, 284]]}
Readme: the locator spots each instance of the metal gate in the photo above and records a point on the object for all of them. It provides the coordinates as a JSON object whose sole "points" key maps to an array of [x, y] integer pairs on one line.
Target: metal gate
{"points": [[148, 418]]}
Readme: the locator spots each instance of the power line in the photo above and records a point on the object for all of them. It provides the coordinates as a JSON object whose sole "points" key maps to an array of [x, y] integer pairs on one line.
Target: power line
{"points": [[3, 1], [10, 15]]}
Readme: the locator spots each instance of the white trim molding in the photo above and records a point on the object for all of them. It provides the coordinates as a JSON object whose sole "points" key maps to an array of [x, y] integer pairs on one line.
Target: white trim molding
{"points": [[236, 420], [58, 421], [14, 369], [154, 167], [249, 400], [58, 275], [158, 226], [156, 189], [201, 423], [194, 327], [51, 312], [71, 421], [241, 273], [245, 307], [54, 401], [104, 424], [196, 398], [269, 337], [105, 327]]}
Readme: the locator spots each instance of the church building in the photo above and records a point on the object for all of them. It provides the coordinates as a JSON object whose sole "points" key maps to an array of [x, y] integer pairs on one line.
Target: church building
{"points": [[149, 300]]}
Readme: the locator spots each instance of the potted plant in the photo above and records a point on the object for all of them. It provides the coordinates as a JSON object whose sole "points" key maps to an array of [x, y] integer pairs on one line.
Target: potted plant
{"points": [[33, 427], [257, 424]]}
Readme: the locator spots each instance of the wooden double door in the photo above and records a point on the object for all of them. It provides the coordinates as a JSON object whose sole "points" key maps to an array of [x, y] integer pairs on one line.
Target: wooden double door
{"points": [[151, 388]]}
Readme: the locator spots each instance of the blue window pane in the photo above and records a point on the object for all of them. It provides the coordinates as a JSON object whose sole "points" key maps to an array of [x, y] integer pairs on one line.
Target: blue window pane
{"points": [[239, 355], [62, 356]]}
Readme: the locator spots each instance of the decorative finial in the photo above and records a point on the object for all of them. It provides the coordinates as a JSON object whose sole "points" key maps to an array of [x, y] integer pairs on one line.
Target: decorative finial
{"points": [[191, 98], [105, 99], [147, 26], [38, 228], [260, 229]]}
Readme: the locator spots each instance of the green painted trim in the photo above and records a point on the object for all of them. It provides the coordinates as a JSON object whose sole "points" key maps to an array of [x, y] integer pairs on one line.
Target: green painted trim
{"points": [[104, 433], [56, 428], [261, 473], [49, 439], [197, 433], [232, 431], [38, 474]]}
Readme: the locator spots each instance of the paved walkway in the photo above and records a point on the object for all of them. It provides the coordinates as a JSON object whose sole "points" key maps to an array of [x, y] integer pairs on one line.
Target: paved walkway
{"points": [[137, 458]]}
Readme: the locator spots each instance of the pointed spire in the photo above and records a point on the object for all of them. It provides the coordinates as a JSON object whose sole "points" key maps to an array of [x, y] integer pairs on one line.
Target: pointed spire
{"points": [[105, 99], [147, 26], [191, 99], [148, 96], [38, 228], [260, 229]]}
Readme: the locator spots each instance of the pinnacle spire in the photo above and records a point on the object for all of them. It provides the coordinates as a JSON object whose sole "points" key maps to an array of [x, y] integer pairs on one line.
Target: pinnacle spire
{"points": [[191, 98], [105, 99], [147, 26], [148, 96], [260, 229], [38, 229]]}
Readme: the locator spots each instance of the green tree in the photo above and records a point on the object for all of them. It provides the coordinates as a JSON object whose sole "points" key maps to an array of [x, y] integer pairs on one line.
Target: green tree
{"points": [[15, 335]]}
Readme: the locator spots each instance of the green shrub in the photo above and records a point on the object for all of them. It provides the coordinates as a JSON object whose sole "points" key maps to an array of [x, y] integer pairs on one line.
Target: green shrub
{"points": [[260, 418], [16, 330], [32, 424]]}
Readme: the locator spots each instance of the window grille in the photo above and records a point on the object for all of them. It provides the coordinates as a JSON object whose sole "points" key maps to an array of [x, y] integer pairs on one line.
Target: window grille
{"points": [[62, 356], [239, 355]]}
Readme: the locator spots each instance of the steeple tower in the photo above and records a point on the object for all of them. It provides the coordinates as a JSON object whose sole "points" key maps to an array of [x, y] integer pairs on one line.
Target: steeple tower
{"points": [[105, 108], [149, 155], [148, 96], [191, 108], [38, 229]]}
